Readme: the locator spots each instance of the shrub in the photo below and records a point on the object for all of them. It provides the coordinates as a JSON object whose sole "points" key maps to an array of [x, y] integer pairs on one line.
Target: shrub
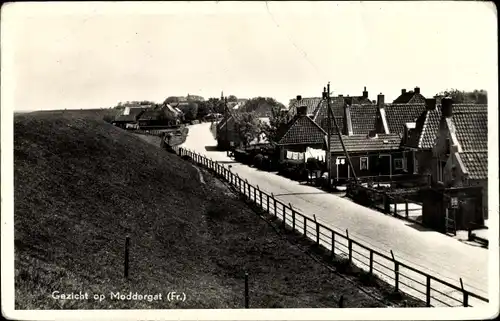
{"points": [[257, 160], [108, 118]]}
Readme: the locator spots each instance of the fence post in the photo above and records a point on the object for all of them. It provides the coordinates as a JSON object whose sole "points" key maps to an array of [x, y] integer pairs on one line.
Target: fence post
{"points": [[332, 254], [317, 232], [371, 261], [284, 217], [268, 210], [246, 291], [305, 226], [396, 272], [127, 245], [255, 195], [396, 275], [260, 196], [406, 208], [428, 292], [395, 207], [466, 294], [350, 250], [293, 216]]}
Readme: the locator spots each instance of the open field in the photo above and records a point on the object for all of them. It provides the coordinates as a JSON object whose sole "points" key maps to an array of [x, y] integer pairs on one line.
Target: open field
{"points": [[82, 186], [94, 113]]}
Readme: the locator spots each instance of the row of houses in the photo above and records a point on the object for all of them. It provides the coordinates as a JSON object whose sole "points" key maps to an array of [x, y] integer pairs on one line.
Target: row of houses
{"points": [[148, 115], [412, 135]]}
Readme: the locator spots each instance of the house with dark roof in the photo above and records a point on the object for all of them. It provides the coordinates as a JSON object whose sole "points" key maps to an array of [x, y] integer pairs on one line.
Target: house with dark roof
{"points": [[160, 115], [129, 115], [312, 104], [300, 133], [370, 155], [226, 134], [457, 136], [410, 97]]}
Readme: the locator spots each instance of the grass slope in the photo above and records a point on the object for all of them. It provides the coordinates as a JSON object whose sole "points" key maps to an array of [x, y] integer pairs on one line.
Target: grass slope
{"points": [[82, 185]]}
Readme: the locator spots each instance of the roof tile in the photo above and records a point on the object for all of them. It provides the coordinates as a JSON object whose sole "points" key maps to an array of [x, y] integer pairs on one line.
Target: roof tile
{"points": [[360, 143], [302, 130]]}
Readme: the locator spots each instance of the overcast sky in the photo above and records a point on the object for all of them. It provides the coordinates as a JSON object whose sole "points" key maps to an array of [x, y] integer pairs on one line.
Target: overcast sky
{"points": [[93, 55]]}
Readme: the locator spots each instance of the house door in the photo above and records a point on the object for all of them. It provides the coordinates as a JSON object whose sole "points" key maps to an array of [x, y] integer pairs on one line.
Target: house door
{"points": [[384, 165], [342, 168]]}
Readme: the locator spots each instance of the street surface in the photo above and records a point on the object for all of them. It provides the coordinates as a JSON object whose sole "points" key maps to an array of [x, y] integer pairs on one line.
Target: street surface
{"points": [[429, 251]]}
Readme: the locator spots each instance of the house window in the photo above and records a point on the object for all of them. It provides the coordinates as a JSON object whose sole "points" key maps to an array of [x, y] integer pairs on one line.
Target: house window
{"points": [[363, 163], [447, 146], [398, 163]]}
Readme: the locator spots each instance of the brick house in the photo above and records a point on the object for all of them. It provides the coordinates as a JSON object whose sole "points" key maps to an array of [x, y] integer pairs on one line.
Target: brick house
{"points": [[399, 118], [460, 159], [370, 155], [226, 134], [300, 133]]}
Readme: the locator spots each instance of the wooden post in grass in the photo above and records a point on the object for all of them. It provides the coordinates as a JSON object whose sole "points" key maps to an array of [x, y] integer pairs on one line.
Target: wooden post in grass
{"points": [[305, 226], [246, 291], [275, 207], [406, 209], [293, 216], [127, 245], [268, 210], [341, 301]]}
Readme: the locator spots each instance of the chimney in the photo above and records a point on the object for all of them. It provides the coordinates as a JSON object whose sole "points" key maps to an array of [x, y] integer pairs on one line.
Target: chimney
{"points": [[372, 134], [380, 100], [430, 104], [365, 93], [403, 91], [447, 107], [302, 110], [417, 90]]}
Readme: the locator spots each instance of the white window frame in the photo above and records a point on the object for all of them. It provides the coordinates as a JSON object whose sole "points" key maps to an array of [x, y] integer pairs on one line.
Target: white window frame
{"points": [[361, 159], [396, 167]]}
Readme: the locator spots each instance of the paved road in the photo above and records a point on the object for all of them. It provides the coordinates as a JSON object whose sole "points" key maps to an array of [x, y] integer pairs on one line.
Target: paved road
{"points": [[428, 250]]}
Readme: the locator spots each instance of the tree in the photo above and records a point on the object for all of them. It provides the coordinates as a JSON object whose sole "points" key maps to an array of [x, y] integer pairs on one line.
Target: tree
{"points": [[460, 96], [190, 111], [263, 106], [232, 98], [171, 99], [248, 127], [203, 109], [215, 105], [277, 121]]}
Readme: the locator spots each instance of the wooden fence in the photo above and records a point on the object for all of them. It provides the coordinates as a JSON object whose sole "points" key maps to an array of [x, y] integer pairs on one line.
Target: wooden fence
{"points": [[404, 277], [388, 202]]}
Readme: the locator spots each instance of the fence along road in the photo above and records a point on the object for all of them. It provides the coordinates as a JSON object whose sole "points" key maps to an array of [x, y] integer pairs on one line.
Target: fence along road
{"points": [[424, 251]]}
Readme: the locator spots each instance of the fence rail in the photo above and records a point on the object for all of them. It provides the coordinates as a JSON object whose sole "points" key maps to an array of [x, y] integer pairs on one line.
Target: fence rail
{"points": [[411, 280]]}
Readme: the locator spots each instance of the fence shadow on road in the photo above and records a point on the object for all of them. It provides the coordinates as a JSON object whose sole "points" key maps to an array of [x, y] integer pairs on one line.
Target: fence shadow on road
{"points": [[402, 276]]}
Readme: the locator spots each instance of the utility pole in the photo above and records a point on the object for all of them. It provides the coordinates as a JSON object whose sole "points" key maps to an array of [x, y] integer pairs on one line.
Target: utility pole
{"points": [[326, 95], [330, 112], [226, 117]]}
